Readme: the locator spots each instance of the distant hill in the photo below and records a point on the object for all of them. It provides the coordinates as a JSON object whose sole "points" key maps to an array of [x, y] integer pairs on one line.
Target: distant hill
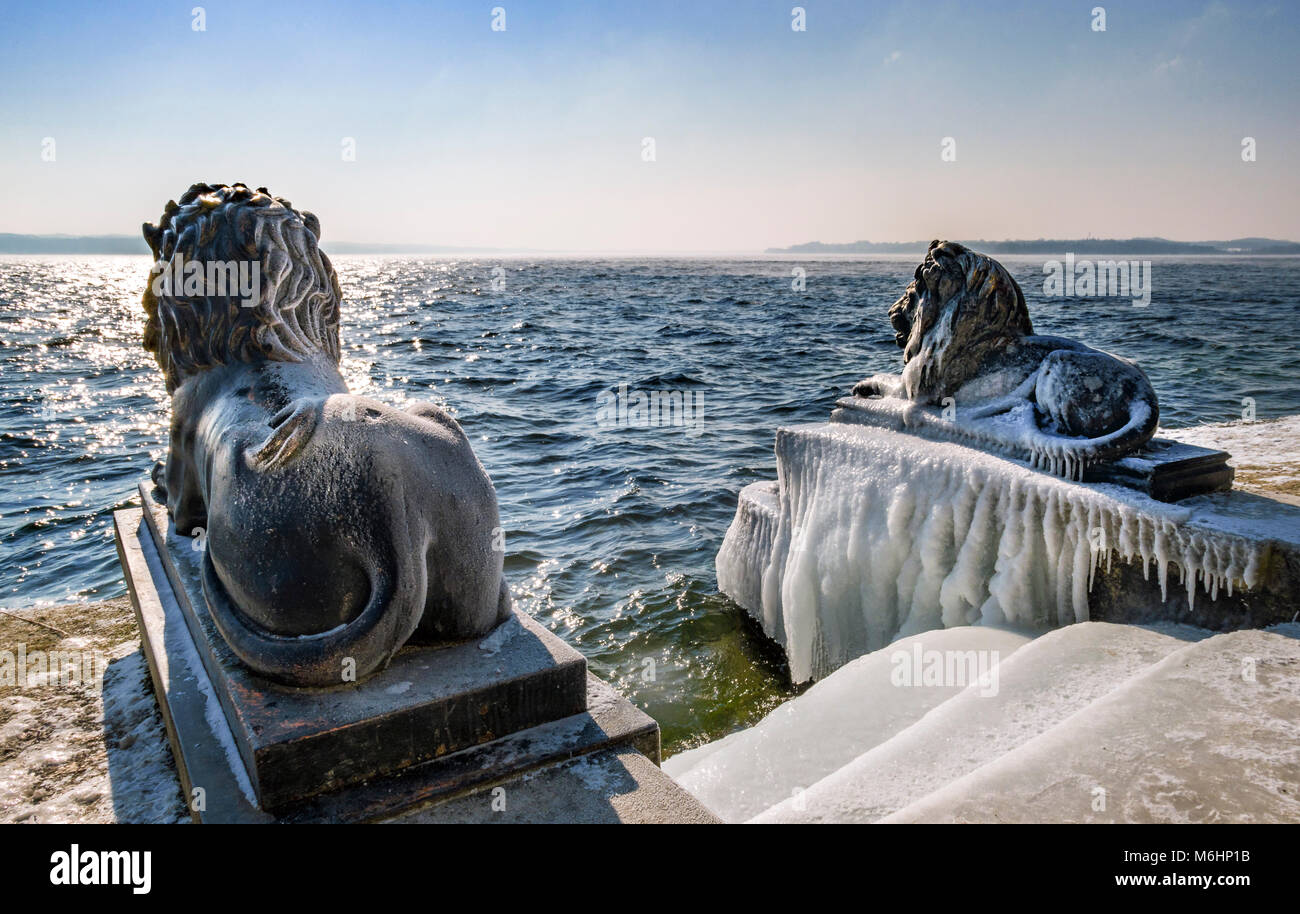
{"points": [[1058, 246], [72, 244]]}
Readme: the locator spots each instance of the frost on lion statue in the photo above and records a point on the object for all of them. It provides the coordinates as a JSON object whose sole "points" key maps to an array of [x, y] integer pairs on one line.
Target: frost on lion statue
{"points": [[336, 527], [967, 342]]}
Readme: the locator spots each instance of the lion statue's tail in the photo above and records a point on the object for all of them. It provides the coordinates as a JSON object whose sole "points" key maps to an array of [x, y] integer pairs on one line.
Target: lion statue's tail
{"points": [[1071, 457], [347, 653]]}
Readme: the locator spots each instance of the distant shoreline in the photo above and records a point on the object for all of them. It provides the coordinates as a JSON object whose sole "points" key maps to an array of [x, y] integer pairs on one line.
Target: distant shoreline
{"points": [[1241, 247], [1236, 247]]}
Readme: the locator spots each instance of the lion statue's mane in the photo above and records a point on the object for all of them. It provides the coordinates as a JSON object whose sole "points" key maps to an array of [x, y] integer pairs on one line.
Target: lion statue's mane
{"points": [[298, 310], [958, 315]]}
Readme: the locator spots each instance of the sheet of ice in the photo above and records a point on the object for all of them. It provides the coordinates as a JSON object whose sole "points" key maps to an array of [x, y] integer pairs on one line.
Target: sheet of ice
{"points": [[1259, 442], [1039, 685], [1209, 734], [880, 534], [835, 721], [1245, 514]]}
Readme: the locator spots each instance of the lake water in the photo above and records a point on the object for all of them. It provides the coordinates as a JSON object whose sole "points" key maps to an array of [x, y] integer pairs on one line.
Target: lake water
{"points": [[611, 529]]}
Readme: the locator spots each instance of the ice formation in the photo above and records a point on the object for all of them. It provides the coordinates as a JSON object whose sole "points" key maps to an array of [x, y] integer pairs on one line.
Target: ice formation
{"points": [[1189, 739], [810, 737], [747, 547], [1010, 426], [871, 535], [1039, 686], [1093, 722]]}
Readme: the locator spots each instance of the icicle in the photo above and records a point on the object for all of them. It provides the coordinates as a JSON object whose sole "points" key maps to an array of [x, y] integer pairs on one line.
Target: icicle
{"points": [[873, 534]]}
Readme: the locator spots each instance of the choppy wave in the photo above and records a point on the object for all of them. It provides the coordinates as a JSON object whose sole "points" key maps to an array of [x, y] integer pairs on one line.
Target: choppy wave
{"points": [[611, 526]]}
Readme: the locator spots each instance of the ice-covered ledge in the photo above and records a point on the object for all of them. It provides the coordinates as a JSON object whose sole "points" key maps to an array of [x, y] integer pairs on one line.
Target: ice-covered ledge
{"points": [[871, 534]]}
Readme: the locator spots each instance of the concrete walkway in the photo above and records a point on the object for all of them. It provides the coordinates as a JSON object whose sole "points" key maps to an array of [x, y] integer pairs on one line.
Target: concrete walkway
{"points": [[77, 753]]}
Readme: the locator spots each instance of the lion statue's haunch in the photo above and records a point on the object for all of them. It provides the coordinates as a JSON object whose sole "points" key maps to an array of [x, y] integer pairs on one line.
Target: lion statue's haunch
{"points": [[965, 333], [336, 527]]}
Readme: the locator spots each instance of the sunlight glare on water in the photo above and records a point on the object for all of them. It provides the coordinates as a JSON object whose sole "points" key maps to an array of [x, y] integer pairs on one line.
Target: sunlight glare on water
{"points": [[610, 532]]}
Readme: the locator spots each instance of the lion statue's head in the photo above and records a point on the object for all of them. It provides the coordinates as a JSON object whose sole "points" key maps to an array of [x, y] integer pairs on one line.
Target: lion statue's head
{"points": [[221, 236], [961, 308]]}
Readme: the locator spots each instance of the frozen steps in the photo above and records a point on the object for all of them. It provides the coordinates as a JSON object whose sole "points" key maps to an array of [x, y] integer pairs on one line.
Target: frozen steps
{"points": [[873, 539], [1094, 722], [1040, 685], [827, 727], [1209, 734]]}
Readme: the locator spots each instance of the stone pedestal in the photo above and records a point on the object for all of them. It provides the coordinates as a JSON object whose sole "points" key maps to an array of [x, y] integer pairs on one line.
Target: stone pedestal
{"points": [[436, 724], [871, 534], [1165, 470]]}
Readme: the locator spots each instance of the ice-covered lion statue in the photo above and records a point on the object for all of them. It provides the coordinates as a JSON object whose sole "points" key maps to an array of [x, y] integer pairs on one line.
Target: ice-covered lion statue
{"points": [[967, 341], [334, 527]]}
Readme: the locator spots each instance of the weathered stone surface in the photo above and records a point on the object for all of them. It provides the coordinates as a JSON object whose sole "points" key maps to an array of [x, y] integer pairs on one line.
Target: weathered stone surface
{"points": [[616, 786], [334, 526], [610, 721], [208, 756], [205, 752], [429, 702], [91, 751]]}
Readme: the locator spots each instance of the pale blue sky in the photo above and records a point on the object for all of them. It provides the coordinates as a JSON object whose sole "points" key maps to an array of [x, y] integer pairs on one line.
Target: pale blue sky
{"points": [[532, 137]]}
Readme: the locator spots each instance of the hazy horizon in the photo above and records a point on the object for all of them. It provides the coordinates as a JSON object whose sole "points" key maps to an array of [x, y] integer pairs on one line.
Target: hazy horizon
{"points": [[532, 138], [452, 248], [913, 247]]}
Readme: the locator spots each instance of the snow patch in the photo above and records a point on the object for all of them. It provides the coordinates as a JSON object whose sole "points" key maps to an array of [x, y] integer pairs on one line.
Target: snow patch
{"points": [[499, 638]]}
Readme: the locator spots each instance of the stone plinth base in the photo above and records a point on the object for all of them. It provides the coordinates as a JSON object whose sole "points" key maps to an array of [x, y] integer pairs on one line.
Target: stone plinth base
{"points": [[438, 723], [429, 702], [608, 787]]}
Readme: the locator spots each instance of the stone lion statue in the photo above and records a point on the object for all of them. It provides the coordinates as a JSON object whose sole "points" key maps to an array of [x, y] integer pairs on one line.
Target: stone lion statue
{"points": [[336, 527], [965, 333]]}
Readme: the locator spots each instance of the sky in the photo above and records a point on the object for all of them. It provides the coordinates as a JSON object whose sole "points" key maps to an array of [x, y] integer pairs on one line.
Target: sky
{"points": [[534, 137]]}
